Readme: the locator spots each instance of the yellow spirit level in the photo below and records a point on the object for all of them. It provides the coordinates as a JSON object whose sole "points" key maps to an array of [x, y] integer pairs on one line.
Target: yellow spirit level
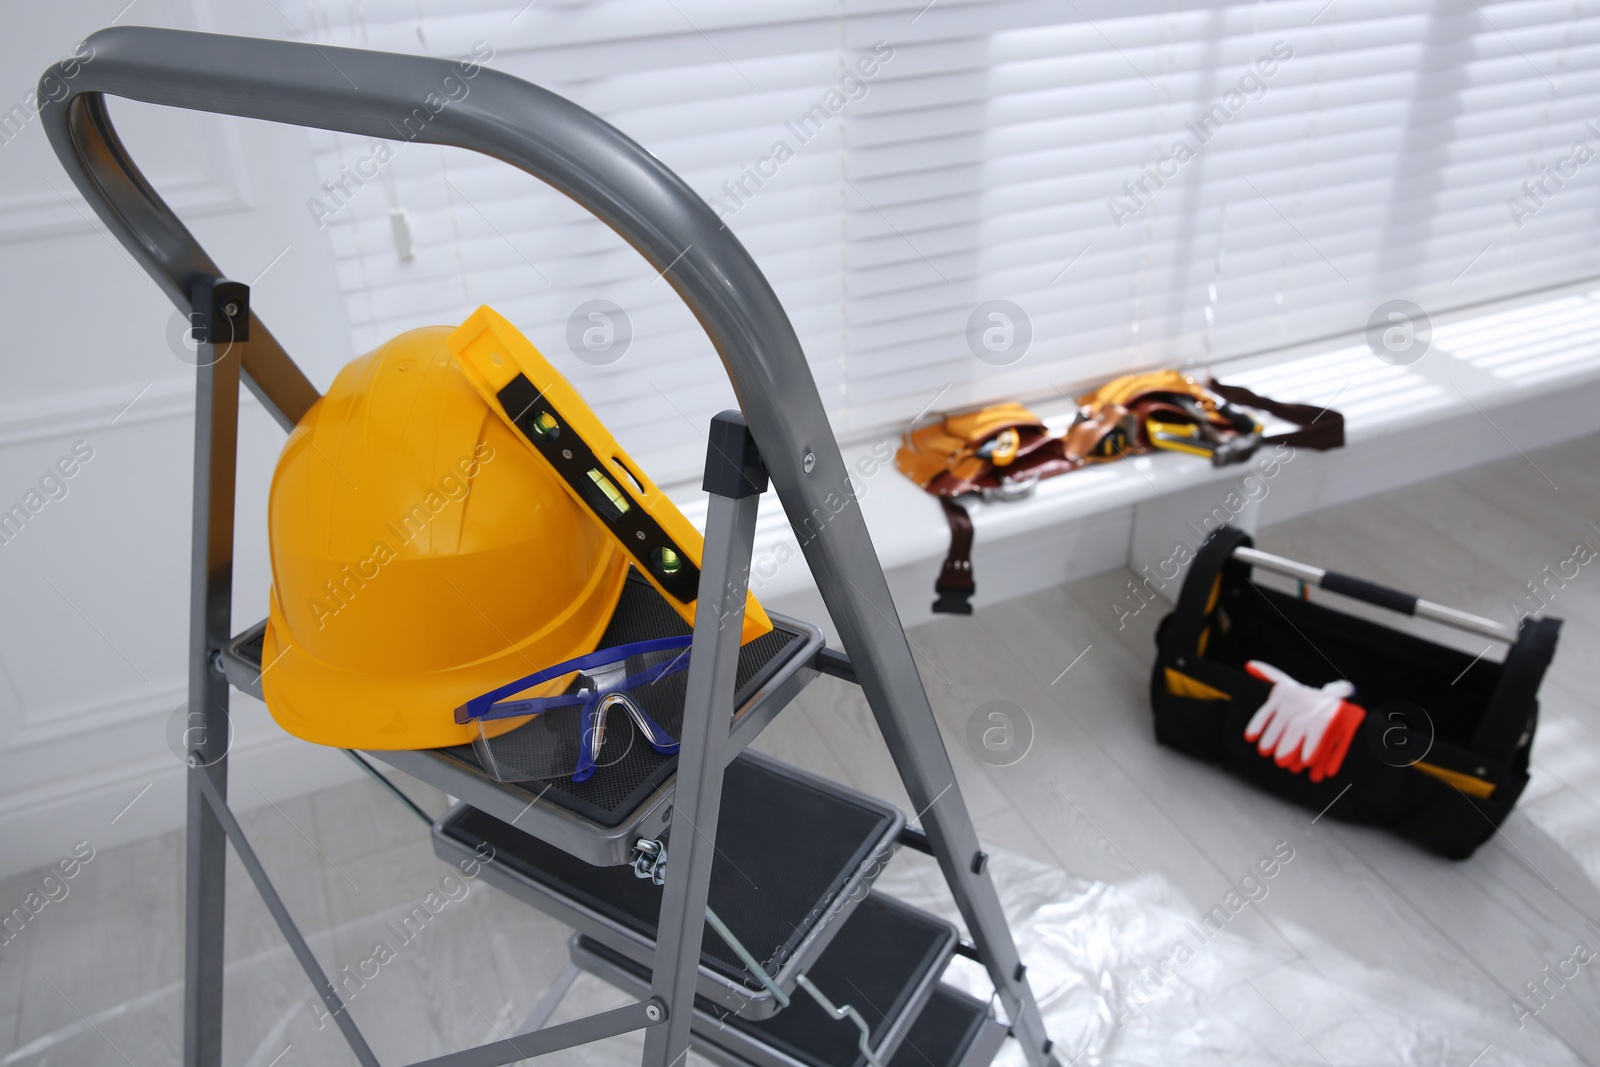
{"points": [[547, 412]]}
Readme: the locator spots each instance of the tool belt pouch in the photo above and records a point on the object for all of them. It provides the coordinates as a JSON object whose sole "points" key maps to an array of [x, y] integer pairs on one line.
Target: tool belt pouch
{"points": [[1442, 754], [1000, 452], [1169, 411]]}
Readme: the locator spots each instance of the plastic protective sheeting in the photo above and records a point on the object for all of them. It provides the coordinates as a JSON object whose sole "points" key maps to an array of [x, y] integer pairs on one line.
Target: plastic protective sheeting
{"points": [[1102, 958], [1127, 982]]}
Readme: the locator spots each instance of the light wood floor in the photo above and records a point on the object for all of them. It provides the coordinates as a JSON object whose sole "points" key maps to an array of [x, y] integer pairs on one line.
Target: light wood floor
{"points": [[1361, 922]]}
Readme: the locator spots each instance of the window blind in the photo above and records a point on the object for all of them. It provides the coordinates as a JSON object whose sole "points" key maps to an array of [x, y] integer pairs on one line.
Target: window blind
{"points": [[1134, 189]]}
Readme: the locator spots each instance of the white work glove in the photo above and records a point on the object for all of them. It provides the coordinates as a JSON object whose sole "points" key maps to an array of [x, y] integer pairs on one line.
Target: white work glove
{"points": [[1293, 721]]}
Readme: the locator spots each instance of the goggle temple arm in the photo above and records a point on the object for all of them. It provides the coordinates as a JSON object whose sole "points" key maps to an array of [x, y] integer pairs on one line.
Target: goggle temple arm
{"points": [[484, 706]]}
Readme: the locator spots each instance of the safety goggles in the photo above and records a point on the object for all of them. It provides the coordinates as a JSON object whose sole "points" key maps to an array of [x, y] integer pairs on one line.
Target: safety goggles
{"points": [[569, 705]]}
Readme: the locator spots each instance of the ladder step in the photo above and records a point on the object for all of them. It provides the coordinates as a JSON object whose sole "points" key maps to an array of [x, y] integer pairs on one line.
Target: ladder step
{"points": [[632, 771], [795, 856], [886, 963], [597, 820], [952, 1030]]}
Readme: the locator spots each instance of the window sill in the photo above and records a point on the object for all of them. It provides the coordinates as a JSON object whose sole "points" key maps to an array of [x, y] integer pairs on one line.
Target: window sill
{"points": [[1494, 382]]}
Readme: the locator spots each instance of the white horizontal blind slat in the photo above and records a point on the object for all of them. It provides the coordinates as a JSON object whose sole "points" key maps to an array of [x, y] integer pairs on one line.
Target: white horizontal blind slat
{"points": [[705, 88], [1375, 161]]}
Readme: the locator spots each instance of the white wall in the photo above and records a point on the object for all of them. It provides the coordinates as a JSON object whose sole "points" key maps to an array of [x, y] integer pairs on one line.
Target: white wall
{"points": [[94, 586]]}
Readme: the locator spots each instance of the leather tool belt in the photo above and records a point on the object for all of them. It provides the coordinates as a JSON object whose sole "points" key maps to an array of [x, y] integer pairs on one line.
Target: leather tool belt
{"points": [[1003, 451]]}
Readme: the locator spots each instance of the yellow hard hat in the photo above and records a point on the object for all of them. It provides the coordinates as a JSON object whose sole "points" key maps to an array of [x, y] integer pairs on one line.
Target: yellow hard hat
{"points": [[421, 555]]}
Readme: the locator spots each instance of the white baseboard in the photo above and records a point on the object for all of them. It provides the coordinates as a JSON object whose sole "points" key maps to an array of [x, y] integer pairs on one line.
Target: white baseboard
{"points": [[1006, 569]]}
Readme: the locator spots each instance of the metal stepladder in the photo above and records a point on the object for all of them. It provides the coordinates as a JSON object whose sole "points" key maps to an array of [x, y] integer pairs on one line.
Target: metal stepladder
{"points": [[582, 857]]}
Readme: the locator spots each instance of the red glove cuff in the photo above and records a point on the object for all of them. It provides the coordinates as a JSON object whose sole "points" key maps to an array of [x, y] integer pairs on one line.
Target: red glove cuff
{"points": [[1329, 756]]}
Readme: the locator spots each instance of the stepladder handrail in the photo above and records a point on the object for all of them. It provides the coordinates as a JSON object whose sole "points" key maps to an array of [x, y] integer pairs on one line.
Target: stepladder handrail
{"points": [[456, 103]]}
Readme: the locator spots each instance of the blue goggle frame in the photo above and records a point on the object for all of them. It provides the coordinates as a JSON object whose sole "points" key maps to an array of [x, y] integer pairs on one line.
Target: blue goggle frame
{"points": [[595, 698]]}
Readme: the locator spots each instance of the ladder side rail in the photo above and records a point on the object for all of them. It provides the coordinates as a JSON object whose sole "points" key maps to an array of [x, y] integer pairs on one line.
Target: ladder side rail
{"points": [[735, 481]]}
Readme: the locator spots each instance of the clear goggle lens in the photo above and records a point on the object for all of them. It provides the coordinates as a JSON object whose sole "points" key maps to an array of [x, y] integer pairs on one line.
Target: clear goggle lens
{"points": [[582, 714]]}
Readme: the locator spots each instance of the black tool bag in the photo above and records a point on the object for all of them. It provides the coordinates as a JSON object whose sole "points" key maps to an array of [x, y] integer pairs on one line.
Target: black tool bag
{"points": [[1442, 754]]}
